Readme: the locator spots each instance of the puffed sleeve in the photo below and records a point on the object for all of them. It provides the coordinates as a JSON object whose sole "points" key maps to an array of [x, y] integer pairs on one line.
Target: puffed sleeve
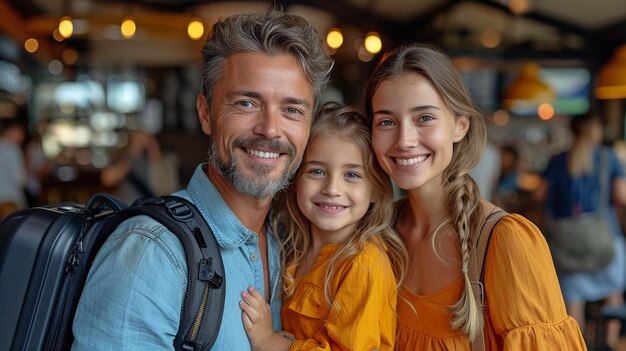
{"points": [[133, 295], [526, 308], [366, 320]]}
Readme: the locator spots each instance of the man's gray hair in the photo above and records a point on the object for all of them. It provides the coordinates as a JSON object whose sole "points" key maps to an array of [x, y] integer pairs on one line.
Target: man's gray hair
{"points": [[274, 32]]}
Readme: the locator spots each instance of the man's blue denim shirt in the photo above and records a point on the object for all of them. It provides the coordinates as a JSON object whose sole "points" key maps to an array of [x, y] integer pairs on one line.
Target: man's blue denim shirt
{"points": [[134, 292]]}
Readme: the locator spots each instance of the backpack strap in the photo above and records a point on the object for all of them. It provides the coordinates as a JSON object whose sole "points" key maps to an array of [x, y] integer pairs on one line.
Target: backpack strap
{"points": [[477, 266], [203, 304], [93, 232], [100, 200]]}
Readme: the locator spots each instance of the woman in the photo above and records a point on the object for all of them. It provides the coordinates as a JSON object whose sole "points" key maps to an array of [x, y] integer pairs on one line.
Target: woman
{"points": [[427, 135], [570, 184]]}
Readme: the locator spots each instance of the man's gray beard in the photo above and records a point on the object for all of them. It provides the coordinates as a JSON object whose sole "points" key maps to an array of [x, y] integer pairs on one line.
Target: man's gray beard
{"points": [[259, 186]]}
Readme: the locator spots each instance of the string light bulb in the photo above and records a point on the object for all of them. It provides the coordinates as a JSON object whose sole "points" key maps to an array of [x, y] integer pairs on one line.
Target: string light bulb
{"points": [[31, 45], [373, 44], [57, 35], [66, 28], [545, 111], [69, 56], [195, 29], [334, 38], [519, 7], [128, 27], [490, 38]]}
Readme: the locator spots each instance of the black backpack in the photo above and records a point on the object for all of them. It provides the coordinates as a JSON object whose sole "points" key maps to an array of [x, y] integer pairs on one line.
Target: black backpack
{"points": [[46, 253]]}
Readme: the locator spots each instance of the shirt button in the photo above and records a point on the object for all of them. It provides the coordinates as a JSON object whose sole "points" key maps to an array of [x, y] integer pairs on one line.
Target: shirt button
{"points": [[253, 257]]}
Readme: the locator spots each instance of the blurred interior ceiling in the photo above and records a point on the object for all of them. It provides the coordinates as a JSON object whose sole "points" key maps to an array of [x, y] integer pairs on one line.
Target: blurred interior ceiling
{"points": [[549, 29]]}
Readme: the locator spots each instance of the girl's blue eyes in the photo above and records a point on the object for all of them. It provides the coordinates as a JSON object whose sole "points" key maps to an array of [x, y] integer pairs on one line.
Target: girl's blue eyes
{"points": [[320, 172]]}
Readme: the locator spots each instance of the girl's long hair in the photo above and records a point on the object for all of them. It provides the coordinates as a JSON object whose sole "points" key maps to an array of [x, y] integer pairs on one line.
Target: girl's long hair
{"points": [[375, 227], [459, 189]]}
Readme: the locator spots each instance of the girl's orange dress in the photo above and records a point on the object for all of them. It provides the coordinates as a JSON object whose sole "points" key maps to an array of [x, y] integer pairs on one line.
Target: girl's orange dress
{"points": [[524, 307], [365, 290]]}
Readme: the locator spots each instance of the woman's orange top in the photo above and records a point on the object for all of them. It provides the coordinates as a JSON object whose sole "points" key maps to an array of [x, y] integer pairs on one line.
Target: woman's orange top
{"points": [[524, 307], [365, 290]]}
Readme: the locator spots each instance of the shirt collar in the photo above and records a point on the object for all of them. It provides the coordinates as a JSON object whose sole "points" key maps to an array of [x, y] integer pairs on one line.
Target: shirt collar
{"points": [[228, 230]]}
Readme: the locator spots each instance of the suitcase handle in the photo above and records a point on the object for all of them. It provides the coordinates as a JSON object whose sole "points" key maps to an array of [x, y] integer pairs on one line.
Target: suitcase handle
{"points": [[109, 200]]}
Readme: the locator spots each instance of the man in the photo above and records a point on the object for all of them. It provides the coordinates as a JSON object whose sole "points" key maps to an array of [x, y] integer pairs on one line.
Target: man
{"points": [[261, 78]]}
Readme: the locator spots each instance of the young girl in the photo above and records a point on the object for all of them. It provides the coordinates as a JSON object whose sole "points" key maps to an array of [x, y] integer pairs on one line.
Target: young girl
{"points": [[427, 136], [341, 257]]}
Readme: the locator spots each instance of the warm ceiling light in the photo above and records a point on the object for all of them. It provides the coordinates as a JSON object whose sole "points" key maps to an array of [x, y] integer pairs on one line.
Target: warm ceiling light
{"points": [[528, 88], [545, 111], [501, 118], [363, 54], [31, 45], [57, 35], [373, 44], [128, 28], [490, 38], [66, 28], [69, 56], [334, 38], [612, 77], [519, 7], [195, 29]]}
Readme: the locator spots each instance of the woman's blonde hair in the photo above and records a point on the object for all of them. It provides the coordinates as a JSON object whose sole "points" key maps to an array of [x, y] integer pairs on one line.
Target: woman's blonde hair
{"points": [[459, 189], [587, 131], [348, 123]]}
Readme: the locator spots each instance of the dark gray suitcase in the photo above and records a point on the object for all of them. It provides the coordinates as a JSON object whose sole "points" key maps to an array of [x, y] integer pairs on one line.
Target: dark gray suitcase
{"points": [[46, 253], [35, 250]]}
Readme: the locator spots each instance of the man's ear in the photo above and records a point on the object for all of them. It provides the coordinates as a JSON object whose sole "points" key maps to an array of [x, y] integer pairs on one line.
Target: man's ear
{"points": [[203, 114], [462, 124]]}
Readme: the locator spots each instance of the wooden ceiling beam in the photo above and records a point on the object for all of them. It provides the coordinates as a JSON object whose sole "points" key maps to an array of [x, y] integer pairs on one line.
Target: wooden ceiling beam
{"points": [[352, 15], [16, 26], [548, 20]]}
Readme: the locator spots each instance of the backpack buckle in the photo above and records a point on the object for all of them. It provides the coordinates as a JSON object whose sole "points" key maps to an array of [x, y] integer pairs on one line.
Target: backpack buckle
{"points": [[179, 210]]}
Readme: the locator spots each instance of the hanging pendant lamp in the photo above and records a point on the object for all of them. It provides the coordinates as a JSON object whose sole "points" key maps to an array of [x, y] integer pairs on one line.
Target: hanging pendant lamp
{"points": [[528, 90], [612, 77]]}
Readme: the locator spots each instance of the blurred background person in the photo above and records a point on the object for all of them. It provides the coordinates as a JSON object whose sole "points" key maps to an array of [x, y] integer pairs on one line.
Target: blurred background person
{"points": [[38, 168], [509, 169], [507, 190], [620, 150], [12, 171], [487, 170], [570, 186], [141, 169]]}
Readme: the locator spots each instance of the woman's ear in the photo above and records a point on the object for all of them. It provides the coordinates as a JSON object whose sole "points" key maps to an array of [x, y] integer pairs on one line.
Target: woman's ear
{"points": [[203, 114], [462, 124]]}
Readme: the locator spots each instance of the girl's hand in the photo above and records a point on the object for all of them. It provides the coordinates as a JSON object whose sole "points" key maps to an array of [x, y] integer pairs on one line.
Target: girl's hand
{"points": [[257, 318]]}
